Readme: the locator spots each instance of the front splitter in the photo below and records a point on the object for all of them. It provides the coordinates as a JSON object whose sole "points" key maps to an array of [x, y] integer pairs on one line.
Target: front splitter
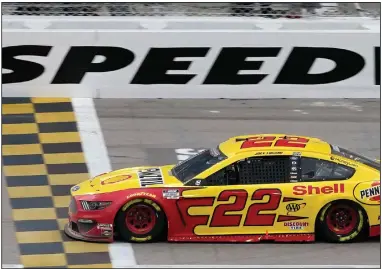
{"points": [[73, 234]]}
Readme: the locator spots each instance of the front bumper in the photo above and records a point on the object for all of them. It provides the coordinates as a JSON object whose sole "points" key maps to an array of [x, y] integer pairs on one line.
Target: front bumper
{"points": [[89, 226], [78, 236]]}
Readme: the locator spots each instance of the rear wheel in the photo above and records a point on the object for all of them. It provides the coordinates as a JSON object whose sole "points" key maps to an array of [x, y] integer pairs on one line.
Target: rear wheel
{"points": [[341, 222], [140, 220]]}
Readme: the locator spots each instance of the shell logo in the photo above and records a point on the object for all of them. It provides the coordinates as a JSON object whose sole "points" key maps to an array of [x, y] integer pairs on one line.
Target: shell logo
{"points": [[114, 180]]}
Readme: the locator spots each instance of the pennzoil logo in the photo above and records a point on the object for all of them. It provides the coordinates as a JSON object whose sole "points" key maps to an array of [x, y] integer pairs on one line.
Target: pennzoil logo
{"points": [[294, 207], [373, 193], [368, 192]]}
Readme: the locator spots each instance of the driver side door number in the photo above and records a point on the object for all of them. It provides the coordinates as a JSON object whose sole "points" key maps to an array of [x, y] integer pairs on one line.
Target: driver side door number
{"points": [[254, 215]]}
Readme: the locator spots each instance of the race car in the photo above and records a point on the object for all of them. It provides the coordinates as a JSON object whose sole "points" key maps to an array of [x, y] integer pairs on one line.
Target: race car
{"points": [[250, 188]]}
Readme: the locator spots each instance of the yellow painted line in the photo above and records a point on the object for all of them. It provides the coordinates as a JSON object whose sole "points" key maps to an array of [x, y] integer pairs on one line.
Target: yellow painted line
{"points": [[57, 158], [104, 265], [34, 214], [81, 247], [30, 191], [25, 170], [68, 179], [17, 109], [65, 137], [55, 117], [21, 128], [43, 260], [40, 100], [61, 201], [38, 237], [22, 149]]}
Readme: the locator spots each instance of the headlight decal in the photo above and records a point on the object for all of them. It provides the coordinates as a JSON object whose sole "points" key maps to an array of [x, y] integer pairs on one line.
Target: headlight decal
{"points": [[87, 205]]}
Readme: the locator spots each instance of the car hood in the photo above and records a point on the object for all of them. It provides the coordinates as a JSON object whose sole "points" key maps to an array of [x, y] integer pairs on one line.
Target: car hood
{"points": [[127, 178]]}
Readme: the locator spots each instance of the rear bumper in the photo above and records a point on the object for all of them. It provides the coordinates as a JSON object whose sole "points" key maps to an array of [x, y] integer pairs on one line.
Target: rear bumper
{"points": [[375, 230]]}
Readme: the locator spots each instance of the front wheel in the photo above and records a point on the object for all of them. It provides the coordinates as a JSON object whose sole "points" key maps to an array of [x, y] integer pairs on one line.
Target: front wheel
{"points": [[341, 222], [140, 220]]}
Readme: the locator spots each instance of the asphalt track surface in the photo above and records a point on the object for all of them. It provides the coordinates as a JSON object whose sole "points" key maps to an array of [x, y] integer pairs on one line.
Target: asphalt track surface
{"points": [[156, 132], [140, 132]]}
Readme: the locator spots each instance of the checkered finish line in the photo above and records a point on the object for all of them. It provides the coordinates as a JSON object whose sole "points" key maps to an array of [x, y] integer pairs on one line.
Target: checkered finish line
{"points": [[42, 159]]}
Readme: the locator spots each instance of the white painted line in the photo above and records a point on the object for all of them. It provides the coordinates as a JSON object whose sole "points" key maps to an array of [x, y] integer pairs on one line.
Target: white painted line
{"points": [[183, 154], [121, 256], [91, 135], [301, 111], [12, 266], [98, 162], [345, 104]]}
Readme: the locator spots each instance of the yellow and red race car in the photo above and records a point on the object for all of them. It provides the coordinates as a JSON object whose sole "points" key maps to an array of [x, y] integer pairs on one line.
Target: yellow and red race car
{"points": [[262, 187]]}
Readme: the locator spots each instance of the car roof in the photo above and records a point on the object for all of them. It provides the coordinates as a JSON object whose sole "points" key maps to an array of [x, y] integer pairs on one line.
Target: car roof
{"points": [[232, 146]]}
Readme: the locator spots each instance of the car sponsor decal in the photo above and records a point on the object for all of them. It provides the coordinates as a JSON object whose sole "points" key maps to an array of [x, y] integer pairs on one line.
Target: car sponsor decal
{"points": [[296, 225], [373, 193], [294, 207], [295, 170], [327, 189], [141, 193], [115, 179], [368, 192], [343, 161], [106, 229], [146, 201], [150, 176], [171, 194], [269, 153]]}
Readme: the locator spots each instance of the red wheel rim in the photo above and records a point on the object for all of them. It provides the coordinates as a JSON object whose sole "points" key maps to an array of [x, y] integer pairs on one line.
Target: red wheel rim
{"points": [[342, 219], [140, 219]]}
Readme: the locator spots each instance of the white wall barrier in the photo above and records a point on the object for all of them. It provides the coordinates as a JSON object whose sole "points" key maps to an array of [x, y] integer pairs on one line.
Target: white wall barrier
{"points": [[148, 63]]}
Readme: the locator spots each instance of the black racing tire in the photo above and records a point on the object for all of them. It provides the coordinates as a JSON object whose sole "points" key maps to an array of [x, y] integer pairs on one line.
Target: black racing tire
{"points": [[141, 220], [341, 222]]}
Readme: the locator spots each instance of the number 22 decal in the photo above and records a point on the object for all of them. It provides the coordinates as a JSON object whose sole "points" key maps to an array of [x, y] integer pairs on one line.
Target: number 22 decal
{"points": [[267, 141], [254, 216]]}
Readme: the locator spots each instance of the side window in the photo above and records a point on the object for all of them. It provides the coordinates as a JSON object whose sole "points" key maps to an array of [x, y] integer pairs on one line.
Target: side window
{"points": [[264, 170], [315, 170], [225, 176]]}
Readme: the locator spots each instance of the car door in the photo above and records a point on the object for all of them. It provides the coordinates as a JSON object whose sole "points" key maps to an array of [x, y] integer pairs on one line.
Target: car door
{"points": [[264, 181], [245, 197]]}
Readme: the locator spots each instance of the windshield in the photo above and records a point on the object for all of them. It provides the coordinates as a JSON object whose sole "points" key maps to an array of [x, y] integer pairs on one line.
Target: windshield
{"points": [[356, 157], [193, 166]]}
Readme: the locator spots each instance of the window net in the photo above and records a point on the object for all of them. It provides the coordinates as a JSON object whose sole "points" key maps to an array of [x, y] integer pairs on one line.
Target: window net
{"points": [[264, 170], [265, 10]]}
